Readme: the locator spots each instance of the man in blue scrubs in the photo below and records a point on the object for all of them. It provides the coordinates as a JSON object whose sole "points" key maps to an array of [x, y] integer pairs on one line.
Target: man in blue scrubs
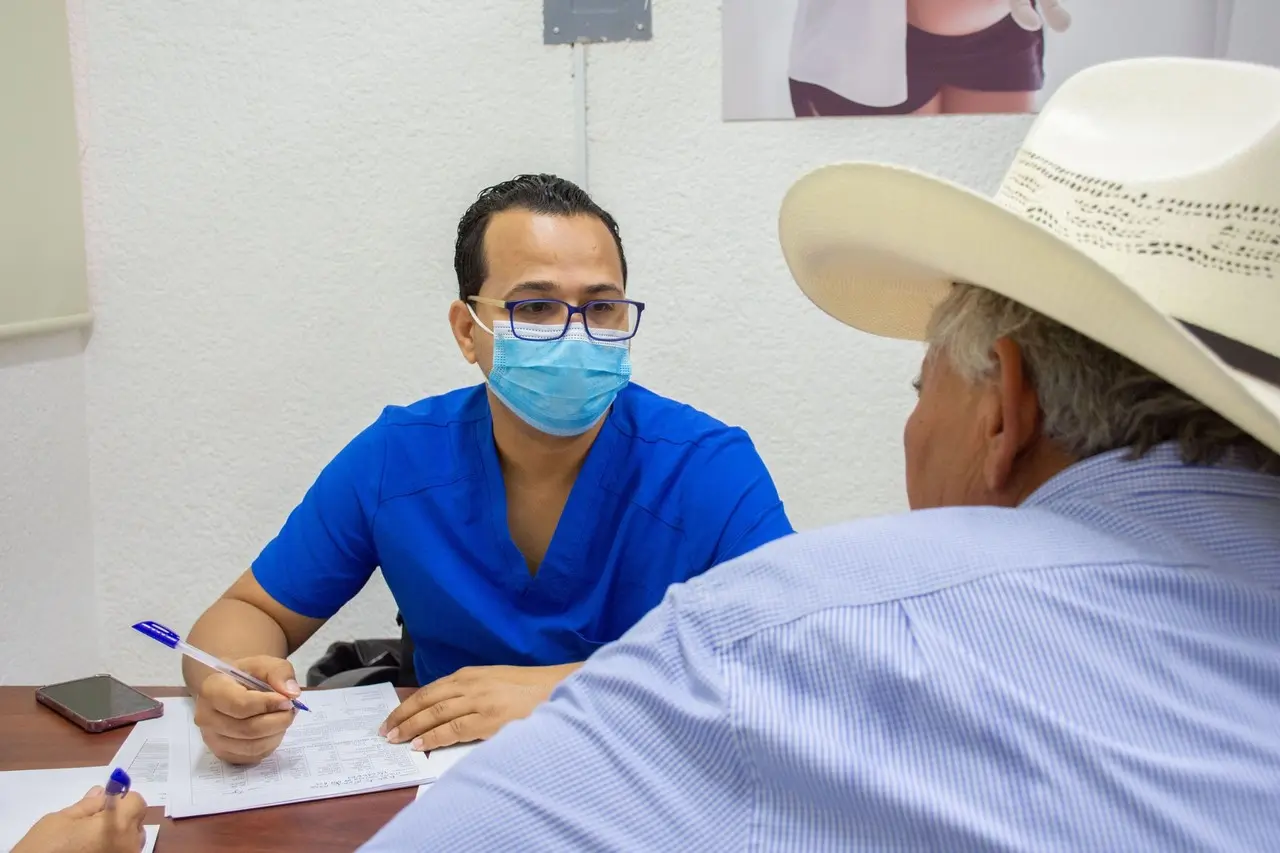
{"points": [[521, 523]]}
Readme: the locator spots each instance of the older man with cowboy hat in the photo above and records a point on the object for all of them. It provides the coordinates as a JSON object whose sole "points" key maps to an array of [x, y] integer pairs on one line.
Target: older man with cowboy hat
{"points": [[1073, 642]]}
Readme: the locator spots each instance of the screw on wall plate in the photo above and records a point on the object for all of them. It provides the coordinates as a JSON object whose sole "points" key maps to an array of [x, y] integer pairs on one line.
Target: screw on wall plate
{"points": [[639, 26], [555, 30]]}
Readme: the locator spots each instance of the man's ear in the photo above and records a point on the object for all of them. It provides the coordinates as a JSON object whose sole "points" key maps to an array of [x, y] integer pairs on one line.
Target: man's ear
{"points": [[464, 330], [1013, 415]]}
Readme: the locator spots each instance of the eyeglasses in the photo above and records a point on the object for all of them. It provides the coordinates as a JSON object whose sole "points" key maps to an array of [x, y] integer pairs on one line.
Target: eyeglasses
{"points": [[548, 319]]}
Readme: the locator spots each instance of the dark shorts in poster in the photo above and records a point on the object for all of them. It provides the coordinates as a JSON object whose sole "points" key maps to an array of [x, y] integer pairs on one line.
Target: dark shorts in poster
{"points": [[842, 58]]}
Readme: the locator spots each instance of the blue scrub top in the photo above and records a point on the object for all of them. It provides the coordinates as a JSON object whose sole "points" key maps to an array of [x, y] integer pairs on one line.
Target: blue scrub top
{"points": [[665, 493]]}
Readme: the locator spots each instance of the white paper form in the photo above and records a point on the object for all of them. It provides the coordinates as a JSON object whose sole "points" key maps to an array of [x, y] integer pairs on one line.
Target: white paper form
{"points": [[440, 760], [333, 750], [28, 795], [145, 752]]}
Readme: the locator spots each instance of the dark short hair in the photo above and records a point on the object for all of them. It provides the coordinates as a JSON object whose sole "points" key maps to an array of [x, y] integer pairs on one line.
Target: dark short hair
{"points": [[545, 194]]}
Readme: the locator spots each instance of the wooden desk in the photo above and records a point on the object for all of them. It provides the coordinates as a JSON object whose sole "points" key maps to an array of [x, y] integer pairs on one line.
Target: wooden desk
{"points": [[33, 737]]}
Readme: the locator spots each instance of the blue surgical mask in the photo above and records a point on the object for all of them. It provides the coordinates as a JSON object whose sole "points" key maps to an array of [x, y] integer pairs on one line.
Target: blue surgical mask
{"points": [[561, 387]]}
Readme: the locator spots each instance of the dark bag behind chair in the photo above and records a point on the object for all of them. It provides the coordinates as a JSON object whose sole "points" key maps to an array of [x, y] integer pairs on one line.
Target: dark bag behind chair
{"points": [[357, 662]]}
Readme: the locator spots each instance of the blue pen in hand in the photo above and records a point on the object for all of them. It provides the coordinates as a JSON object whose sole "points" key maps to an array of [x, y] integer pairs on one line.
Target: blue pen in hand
{"points": [[161, 634], [117, 786]]}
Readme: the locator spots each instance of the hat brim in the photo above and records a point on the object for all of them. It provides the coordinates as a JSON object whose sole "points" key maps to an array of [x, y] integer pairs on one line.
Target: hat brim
{"points": [[878, 247]]}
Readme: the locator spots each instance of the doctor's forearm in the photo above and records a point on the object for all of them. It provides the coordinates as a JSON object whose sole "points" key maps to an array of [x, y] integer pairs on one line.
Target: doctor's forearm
{"points": [[231, 630]]}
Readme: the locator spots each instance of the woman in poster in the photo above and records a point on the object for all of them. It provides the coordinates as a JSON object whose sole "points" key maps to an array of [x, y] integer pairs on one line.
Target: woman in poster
{"points": [[919, 57]]}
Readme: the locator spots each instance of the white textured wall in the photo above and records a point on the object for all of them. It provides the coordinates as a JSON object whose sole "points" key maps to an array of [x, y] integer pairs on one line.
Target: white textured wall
{"points": [[271, 195], [274, 191], [48, 627], [47, 618]]}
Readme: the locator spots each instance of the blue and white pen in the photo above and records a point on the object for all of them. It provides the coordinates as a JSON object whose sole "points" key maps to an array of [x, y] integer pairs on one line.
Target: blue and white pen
{"points": [[117, 786], [161, 634]]}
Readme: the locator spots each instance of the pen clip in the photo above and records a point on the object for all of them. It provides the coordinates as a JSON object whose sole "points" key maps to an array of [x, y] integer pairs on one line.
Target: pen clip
{"points": [[158, 632]]}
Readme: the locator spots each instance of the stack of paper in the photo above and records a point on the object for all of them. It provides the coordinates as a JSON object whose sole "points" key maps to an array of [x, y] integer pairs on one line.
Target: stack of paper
{"points": [[441, 760], [331, 751], [145, 753], [28, 795]]}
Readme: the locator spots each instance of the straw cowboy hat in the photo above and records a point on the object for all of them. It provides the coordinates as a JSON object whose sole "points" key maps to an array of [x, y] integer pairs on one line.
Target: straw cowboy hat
{"points": [[1142, 210]]}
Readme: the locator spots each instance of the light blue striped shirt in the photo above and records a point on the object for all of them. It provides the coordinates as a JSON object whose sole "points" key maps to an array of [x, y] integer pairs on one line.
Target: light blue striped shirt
{"points": [[1098, 669]]}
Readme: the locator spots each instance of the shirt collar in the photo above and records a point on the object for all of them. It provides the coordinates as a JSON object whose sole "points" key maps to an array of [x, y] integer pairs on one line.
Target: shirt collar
{"points": [[1159, 469]]}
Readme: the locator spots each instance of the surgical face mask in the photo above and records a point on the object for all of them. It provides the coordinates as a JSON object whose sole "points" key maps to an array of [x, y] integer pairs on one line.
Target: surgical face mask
{"points": [[561, 387]]}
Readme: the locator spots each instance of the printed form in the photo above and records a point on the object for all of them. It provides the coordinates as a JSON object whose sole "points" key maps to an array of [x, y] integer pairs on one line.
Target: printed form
{"points": [[145, 753], [332, 751]]}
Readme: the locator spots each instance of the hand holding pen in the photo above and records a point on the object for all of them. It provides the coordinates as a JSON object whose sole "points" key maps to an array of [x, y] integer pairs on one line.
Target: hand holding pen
{"points": [[244, 708], [103, 821], [170, 638]]}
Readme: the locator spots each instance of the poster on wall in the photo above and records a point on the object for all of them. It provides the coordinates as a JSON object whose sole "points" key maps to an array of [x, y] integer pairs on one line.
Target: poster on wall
{"points": [[43, 281], [787, 59]]}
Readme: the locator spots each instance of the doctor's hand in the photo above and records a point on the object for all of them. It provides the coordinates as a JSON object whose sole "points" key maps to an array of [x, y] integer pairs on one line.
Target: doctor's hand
{"points": [[89, 827], [472, 704], [243, 726]]}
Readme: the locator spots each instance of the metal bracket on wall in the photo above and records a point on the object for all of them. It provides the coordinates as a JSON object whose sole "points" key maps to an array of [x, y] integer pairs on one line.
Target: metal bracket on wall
{"points": [[586, 21]]}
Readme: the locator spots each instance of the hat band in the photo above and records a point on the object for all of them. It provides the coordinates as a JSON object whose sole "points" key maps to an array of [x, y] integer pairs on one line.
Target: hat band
{"points": [[1243, 357]]}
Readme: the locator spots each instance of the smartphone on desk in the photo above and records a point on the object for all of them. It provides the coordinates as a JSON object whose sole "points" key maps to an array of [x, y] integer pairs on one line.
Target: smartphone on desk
{"points": [[99, 703]]}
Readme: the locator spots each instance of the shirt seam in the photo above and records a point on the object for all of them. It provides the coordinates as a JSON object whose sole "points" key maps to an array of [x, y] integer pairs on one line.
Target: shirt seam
{"points": [[751, 528], [695, 442], [744, 758], [377, 506], [899, 600], [455, 421], [447, 421], [291, 601], [472, 475], [606, 487]]}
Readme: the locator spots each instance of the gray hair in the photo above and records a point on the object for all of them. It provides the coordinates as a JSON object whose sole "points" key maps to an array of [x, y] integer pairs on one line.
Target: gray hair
{"points": [[1092, 399]]}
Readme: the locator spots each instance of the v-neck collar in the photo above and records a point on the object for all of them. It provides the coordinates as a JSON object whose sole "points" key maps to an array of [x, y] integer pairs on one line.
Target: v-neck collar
{"points": [[560, 572]]}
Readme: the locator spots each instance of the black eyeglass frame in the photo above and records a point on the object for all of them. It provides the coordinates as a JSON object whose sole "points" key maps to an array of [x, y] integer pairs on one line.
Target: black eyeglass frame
{"points": [[513, 305]]}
